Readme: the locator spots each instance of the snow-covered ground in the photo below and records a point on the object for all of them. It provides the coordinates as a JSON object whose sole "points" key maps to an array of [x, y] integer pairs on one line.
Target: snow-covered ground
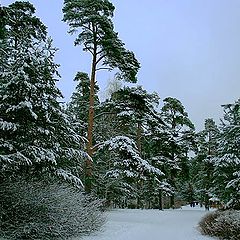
{"points": [[127, 224]]}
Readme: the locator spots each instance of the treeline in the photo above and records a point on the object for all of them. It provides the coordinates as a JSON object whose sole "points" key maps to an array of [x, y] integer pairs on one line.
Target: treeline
{"points": [[127, 150], [216, 168], [143, 153]]}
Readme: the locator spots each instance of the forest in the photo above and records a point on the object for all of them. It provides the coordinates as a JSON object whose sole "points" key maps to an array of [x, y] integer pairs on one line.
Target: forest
{"points": [[62, 164]]}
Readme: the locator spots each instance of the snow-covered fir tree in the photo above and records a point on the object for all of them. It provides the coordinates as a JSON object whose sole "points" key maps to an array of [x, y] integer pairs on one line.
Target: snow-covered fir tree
{"points": [[155, 140], [227, 163], [78, 106], [128, 113], [120, 169], [38, 144], [132, 108], [175, 147], [35, 134], [203, 163]]}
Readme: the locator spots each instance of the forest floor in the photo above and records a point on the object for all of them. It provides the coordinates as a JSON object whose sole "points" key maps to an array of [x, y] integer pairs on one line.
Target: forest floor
{"points": [[128, 224]]}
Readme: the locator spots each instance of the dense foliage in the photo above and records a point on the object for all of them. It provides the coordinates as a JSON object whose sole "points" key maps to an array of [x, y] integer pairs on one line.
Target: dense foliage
{"points": [[217, 163], [139, 155], [36, 135]]}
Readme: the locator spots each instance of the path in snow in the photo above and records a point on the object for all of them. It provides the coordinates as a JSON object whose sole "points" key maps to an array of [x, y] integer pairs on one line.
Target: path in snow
{"points": [[129, 224]]}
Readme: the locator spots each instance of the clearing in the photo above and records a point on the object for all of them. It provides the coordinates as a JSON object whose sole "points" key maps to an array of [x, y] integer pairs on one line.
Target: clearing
{"points": [[129, 224]]}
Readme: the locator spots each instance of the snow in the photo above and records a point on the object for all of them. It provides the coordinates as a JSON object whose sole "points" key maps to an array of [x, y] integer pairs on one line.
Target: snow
{"points": [[127, 147], [5, 126], [134, 224], [214, 199]]}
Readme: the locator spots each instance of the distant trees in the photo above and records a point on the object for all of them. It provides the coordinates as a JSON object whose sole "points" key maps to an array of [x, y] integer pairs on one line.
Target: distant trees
{"points": [[177, 126], [125, 117], [93, 19], [130, 118], [227, 163], [203, 164], [215, 169]]}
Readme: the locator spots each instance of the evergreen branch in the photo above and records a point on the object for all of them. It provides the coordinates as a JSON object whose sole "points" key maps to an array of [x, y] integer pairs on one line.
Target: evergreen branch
{"points": [[88, 28], [89, 49], [100, 59], [104, 68], [103, 113]]}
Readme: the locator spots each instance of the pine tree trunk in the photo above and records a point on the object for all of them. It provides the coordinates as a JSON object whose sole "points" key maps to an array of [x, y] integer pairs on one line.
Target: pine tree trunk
{"points": [[139, 194], [160, 206], [89, 163], [206, 202], [172, 197], [172, 201], [139, 136], [149, 204], [172, 181]]}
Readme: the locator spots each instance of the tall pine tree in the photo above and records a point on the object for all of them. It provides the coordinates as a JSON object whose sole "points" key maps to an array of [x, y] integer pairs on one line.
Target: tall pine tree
{"points": [[92, 19]]}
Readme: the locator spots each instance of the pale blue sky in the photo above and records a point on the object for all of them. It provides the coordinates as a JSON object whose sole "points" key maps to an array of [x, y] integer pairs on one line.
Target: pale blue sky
{"points": [[188, 49]]}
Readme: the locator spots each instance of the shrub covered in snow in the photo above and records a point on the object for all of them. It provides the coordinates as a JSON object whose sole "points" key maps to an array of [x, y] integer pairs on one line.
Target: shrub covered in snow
{"points": [[46, 209], [222, 224]]}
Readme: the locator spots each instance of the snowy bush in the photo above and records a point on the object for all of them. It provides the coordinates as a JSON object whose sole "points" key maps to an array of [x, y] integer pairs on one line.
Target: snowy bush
{"points": [[222, 224], [46, 209]]}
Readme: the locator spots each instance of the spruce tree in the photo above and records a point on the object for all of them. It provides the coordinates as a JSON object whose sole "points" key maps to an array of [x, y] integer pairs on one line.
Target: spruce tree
{"points": [[18, 21], [120, 168], [203, 164], [78, 106], [133, 108], [36, 135], [127, 114], [155, 151], [175, 153], [227, 164]]}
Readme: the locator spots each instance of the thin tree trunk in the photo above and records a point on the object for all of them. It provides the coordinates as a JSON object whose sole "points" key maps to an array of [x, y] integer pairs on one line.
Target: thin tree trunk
{"points": [[160, 206], [139, 205], [207, 202], [172, 201], [172, 181], [149, 204], [139, 137], [172, 197]]}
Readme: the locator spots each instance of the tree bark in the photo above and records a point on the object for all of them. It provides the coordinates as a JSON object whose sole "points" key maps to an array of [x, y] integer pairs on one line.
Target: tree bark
{"points": [[89, 163], [172, 201], [160, 206], [139, 137], [172, 197]]}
